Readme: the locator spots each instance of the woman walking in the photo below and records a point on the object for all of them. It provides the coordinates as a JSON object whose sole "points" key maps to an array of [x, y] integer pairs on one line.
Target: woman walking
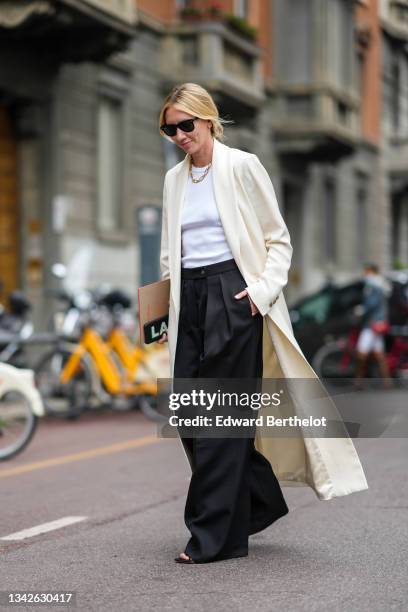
{"points": [[227, 252]]}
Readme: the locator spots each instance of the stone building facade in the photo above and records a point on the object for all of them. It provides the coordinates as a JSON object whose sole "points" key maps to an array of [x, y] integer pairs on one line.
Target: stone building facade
{"points": [[313, 94]]}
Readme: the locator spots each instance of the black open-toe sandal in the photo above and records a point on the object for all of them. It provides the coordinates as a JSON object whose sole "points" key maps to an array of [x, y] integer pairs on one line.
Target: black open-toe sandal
{"points": [[180, 560]]}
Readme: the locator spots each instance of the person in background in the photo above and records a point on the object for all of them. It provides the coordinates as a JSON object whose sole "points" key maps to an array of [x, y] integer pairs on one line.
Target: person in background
{"points": [[373, 324]]}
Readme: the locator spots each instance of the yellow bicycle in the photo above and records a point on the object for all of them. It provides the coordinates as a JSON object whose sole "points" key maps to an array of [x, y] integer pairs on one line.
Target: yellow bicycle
{"points": [[72, 377]]}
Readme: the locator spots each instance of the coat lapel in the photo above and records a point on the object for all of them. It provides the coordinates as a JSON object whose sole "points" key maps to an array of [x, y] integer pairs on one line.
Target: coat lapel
{"points": [[225, 196], [224, 192], [176, 202]]}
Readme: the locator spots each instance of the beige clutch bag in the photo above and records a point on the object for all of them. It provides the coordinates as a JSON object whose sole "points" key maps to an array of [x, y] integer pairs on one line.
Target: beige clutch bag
{"points": [[153, 303]]}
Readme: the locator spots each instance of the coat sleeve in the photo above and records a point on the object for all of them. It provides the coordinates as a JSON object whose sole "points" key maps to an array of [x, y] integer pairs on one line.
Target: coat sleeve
{"points": [[266, 289], [164, 245]]}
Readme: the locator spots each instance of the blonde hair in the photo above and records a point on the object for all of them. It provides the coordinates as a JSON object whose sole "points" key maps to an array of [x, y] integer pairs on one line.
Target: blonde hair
{"points": [[195, 100]]}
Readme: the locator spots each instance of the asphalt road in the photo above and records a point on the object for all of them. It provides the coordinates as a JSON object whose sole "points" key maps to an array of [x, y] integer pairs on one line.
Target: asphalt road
{"points": [[128, 487]]}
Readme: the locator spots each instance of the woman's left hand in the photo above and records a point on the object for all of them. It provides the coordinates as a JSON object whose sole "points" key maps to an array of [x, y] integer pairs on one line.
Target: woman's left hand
{"points": [[240, 295]]}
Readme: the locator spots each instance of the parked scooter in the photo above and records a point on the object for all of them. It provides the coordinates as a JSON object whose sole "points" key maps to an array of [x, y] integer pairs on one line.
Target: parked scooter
{"points": [[20, 407]]}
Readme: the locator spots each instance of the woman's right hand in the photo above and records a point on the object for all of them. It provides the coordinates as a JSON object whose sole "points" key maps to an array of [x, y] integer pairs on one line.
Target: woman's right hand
{"points": [[162, 339]]}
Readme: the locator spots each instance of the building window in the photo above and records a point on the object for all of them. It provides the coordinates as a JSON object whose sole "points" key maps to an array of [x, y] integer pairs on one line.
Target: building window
{"points": [[340, 49], [360, 77], [180, 4], [329, 220], [361, 218], [293, 41], [190, 52], [396, 210], [395, 93], [110, 164], [241, 8]]}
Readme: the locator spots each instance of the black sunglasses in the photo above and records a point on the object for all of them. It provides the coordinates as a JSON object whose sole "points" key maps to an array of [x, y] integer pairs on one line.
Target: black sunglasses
{"points": [[187, 125]]}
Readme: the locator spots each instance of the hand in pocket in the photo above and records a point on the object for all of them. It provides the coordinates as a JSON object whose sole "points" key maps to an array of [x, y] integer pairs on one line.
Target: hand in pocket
{"points": [[241, 295]]}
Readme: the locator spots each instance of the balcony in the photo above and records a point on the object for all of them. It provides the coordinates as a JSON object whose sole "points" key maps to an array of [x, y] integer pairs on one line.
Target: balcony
{"points": [[396, 161], [316, 122], [223, 61], [69, 30], [315, 94]]}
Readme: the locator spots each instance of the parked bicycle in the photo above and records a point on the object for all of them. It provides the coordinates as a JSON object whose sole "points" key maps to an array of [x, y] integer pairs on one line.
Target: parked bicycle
{"points": [[94, 364], [140, 362], [20, 407], [336, 360]]}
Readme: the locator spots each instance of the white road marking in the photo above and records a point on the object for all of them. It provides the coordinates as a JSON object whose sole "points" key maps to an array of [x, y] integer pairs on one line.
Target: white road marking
{"points": [[33, 531]]}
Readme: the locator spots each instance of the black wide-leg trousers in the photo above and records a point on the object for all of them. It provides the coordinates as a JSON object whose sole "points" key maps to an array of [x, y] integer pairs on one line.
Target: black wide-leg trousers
{"points": [[233, 490]]}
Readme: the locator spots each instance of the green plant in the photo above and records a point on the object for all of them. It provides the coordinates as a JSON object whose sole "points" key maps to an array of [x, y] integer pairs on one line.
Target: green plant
{"points": [[190, 11], [214, 10], [241, 25], [398, 264]]}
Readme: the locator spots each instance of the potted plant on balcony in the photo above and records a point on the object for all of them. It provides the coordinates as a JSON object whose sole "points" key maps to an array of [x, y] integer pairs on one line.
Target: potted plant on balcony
{"points": [[214, 11], [191, 13], [241, 25]]}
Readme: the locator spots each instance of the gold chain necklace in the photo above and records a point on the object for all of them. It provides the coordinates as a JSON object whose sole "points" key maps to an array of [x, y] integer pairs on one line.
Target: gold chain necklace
{"points": [[201, 177]]}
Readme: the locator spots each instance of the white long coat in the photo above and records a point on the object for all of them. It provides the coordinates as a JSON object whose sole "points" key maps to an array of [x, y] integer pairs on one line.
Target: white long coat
{"points": [[260, 244]]}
